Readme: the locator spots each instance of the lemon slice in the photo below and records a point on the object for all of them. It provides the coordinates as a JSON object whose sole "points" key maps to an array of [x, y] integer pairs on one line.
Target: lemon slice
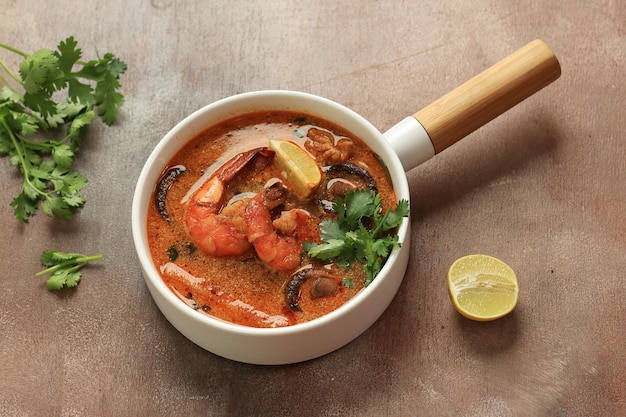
{"points": [[482, 288], [299, 168]]}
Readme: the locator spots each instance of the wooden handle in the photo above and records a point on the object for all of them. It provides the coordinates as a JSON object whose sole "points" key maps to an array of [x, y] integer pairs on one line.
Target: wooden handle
{"points": [[489, 94]]}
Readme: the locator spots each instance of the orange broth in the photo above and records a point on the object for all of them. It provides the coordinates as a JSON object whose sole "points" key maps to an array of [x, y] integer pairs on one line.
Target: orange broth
{"points": [[243, 289]]}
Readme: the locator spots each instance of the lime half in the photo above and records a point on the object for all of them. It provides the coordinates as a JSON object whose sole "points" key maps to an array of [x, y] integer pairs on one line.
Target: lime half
{"points": [[482, 287]]}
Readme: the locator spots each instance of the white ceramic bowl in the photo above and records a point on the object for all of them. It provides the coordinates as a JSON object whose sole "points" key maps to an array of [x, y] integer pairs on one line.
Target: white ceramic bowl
{"points": [[271, 345]]}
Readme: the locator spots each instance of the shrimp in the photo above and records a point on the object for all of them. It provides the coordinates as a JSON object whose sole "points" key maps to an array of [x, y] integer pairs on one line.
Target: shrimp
{"points": [[280, 252], [325, 147], [213, 228]]}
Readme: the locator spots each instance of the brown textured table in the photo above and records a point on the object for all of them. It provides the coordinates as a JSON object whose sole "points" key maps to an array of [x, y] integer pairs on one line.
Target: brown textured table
{"points": [[542, 187]]}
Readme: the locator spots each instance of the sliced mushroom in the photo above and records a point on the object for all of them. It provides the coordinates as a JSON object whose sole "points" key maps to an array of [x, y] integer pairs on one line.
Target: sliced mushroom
{"points": [[321, 288], [163, 186], [350, 173], [342, 178]]}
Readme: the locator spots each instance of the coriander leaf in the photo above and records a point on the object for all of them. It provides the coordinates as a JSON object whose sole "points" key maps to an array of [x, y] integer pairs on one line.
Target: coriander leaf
{"points": [[41, 77], [63, 279], [330, 249], [79, 92], [371, 269], [64, 268], [40, 103], [33, 121], [362, 231], [24, 207], [172, 253], [62, 154], [40, 73], [51, 257], [57, 207], [78, 126], [331, 229], [394, 217], [74, 200], [68, 54], [52, 121], [71, 110], [359, 204], [7, 93], [110, 99], [106, 73]]}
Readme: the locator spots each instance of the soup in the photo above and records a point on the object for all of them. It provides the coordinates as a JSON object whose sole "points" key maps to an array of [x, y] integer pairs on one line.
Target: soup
{"points": [[230, 223]]}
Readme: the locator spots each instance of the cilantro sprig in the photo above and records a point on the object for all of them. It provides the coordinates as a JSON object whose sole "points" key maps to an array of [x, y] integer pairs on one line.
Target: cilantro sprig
{"points": [[361, 231], [64, 268], [41, 132]]}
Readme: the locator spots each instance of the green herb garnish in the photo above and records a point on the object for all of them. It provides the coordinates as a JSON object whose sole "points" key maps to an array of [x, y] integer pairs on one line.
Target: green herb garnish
{"points": [[32, 113], [172, 253], [64, 268], [176, 250], [361, 231]]}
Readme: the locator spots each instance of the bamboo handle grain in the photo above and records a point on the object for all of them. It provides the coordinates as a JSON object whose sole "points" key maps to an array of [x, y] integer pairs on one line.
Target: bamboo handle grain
{"points": [[489, 94]]}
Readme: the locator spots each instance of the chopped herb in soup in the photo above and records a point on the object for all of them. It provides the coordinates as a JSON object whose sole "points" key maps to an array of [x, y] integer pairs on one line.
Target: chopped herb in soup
{"points": [[272, 219]]}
